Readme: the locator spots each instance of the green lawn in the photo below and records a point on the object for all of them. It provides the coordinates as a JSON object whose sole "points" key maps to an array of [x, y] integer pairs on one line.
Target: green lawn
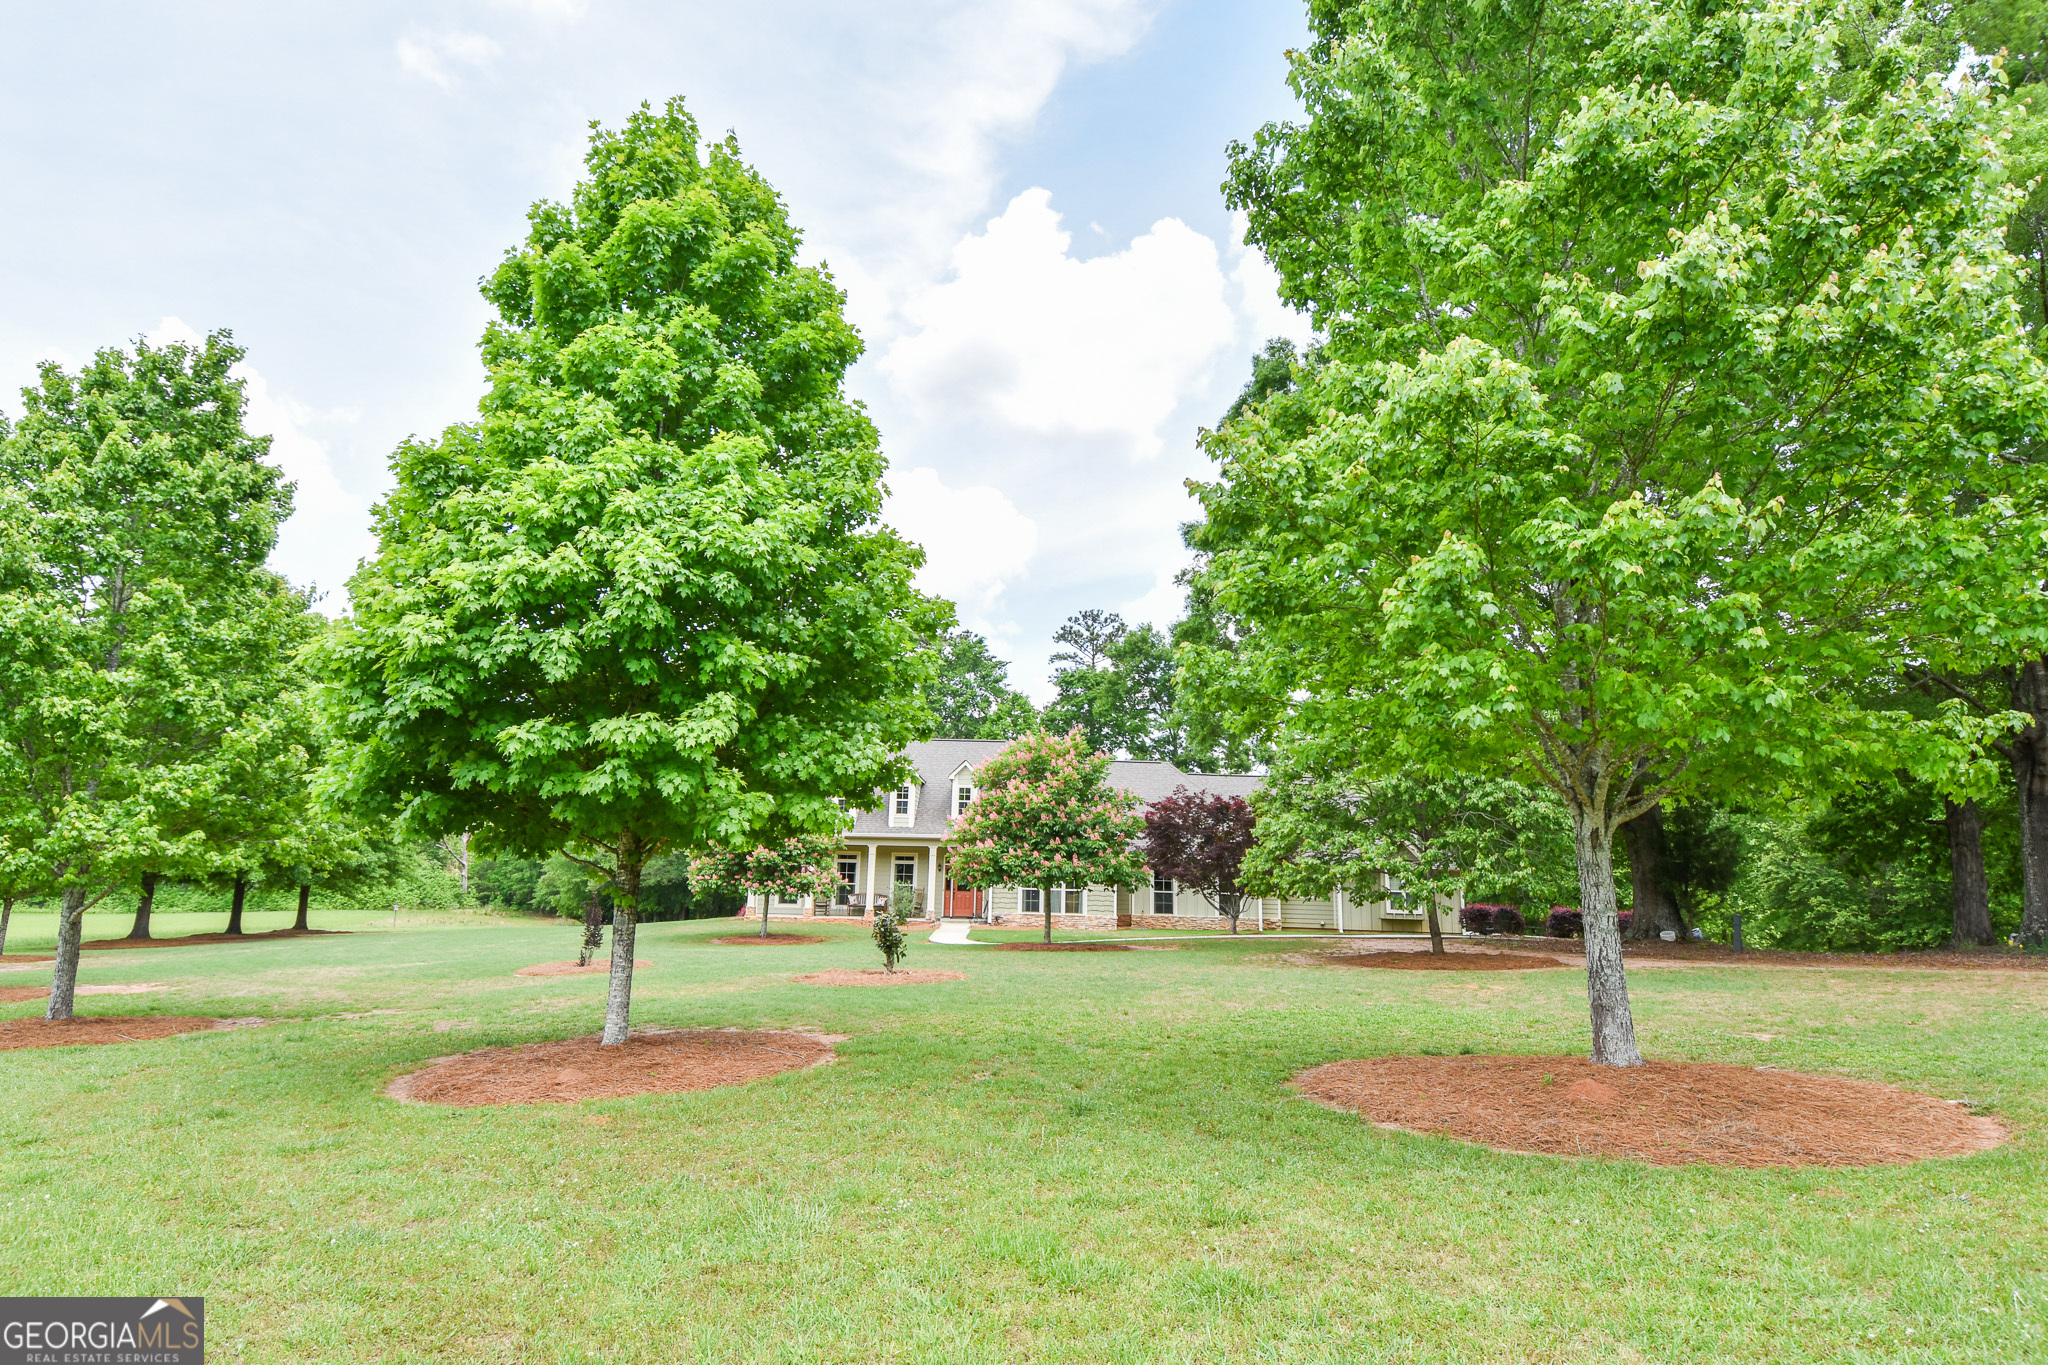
{"points": [[1067, 1157]]}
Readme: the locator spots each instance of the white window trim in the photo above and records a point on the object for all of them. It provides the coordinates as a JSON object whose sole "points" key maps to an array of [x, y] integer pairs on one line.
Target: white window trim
{"points": [[903, 819]]}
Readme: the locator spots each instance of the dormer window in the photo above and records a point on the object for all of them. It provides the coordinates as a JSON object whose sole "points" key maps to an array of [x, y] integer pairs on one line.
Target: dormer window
{"points": [[900, 807], [963, 797]]}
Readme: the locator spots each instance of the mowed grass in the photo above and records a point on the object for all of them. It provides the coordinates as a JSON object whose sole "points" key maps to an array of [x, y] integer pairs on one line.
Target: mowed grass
{"points": [[1066, 1157]]}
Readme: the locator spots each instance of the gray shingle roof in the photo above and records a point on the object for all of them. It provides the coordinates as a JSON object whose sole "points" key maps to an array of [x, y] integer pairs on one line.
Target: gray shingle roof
{"points": [[936, 760]]}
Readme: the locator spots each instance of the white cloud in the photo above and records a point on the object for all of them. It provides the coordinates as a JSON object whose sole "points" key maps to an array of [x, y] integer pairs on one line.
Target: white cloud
{"points": [[1258, 292], [948, 87], [975, 543], [551, 9], [329, 528], [430, 55], [1049, 344], [1165, 603]]}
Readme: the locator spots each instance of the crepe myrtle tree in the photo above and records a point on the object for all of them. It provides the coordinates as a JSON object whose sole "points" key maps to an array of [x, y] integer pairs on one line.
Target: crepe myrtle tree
{"points": [[1200, 839], [1044, 815], [1660, 347], [645, 602], [798, 866]]}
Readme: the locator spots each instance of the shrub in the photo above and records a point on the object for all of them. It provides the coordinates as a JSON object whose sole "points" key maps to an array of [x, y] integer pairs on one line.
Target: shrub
{"points": [[1476, 919], [1565, 922], [1508, 920], [889, 938], [1624, 919]]}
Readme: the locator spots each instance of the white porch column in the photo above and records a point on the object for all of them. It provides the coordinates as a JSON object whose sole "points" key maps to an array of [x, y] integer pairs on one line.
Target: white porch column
{"points": [[1337, 903], [931, 883], [874, 852]]}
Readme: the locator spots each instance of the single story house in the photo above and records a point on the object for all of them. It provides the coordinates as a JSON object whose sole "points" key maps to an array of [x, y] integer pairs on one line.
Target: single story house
{"points": [[903, 844]]}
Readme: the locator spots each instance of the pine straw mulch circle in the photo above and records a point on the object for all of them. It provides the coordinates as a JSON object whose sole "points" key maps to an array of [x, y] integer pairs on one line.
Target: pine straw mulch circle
{"points": [[106, 1028], [13, 993], [1666, 1113], [1452, 961], [777, 940], [649, 1062], [572, 969], [877, 976]]}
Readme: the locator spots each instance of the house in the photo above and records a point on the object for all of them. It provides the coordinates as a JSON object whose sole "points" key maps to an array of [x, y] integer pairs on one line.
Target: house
{"points": [[903, 844]]}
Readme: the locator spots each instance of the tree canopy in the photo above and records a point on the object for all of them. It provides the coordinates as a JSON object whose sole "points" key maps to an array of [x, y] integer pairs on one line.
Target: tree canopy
{"points": [[970, 692], [143, 645], [1661, 343], [645, 601]]}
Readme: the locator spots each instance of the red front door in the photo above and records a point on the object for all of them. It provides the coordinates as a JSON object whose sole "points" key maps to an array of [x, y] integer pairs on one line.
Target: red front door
{"points": [[963, 904]]}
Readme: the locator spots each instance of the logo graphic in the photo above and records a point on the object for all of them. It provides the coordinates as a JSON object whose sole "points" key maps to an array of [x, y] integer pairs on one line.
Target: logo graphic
{"points": [[113, 1331]]}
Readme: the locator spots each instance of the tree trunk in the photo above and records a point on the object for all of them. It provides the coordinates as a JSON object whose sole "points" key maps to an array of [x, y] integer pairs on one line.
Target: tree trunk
{"points": [[140, 929], [1969, 892], [70, 929], [1232, 905], [1614, 1028], [6, 914], [618, 1002], [1656, 909], [305, 905], [1045, 905], [2030, 770], [767, 904], [1436, 926], [235, 910]]}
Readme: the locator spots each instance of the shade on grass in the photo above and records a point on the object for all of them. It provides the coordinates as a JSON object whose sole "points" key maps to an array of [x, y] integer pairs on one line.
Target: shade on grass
{"points": [[1066, 1157]]}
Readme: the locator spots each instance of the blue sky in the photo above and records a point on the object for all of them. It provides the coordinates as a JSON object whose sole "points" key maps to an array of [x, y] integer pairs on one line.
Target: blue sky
{"points": [[1020, 199]]}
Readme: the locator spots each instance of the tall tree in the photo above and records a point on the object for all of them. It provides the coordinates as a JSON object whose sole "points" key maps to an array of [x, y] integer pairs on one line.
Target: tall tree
{"points": [[971, 695], [645, 602], [1045, 816], [139, 630], [1652, 380], [1115, 682], [1200, 839], [1272, 372]]}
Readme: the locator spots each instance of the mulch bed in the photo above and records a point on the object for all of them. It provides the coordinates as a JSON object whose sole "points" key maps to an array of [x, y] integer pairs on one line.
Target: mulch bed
{"points": [[876, 976], [187, 941], [772, 939], [594, 968], [1667, 1113], [1720, 954], [14, 993], [1446, 962], [650, 1062], [103, 1028]]}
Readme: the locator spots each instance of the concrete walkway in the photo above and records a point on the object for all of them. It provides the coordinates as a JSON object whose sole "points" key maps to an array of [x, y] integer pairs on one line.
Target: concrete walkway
{"points": [[952, 931]]}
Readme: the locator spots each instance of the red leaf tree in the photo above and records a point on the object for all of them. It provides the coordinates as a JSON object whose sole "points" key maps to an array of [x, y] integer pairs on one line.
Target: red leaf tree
{"points": [[1199, 839]]}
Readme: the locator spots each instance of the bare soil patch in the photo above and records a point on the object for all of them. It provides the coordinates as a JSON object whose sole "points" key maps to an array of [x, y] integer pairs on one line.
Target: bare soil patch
{"points": [[772, 939], [876, 976], [650, 1062], [1447, 962], [595, 968], [12, 993], [1667, 1113], [104, 1028]]}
